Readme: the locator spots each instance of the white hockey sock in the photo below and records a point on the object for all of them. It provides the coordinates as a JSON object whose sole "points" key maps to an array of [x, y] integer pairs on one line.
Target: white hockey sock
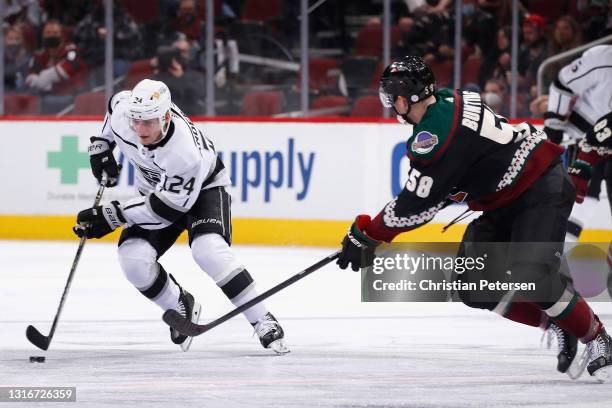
{"points": [[254, 313], [169, 296], [217, 259]]}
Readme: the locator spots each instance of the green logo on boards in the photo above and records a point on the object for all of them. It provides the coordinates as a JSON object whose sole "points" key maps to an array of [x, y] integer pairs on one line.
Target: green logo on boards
{"points": [[68, 160]]}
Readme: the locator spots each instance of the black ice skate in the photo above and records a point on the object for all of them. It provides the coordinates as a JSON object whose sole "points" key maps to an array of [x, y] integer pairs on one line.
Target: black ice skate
{"points": [[271, 334], [189, 309], [600, 356], [568, 359]]}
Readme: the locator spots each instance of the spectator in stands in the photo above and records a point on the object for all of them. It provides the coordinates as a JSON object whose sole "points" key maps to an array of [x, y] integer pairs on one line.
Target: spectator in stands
{"points": [[16, 60], [495, 95], [428, 6], [533, 51], [187, 20], [186, 86], [57, 67], [598, 18], [427, 35], [479, 29], [90, 34], [566, 35], [497, 60]]}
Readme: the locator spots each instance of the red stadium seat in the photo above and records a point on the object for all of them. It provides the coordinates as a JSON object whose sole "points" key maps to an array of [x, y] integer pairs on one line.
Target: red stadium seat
{"points": [[141, 14], [367, 106], [443, 71], [330, 101], [90, 103], [261, 103], [549, 9], [261, 10], [470, 71], [370, 38], [138, 71], [21, 104], [323, 74]]}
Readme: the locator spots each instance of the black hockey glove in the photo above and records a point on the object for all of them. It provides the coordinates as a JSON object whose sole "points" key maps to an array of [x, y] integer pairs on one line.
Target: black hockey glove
{"points": [[357, 248], [102, 161], [99, 221]]}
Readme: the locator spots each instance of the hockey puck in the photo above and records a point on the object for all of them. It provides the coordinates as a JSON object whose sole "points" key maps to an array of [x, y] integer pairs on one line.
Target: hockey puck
{"points": [[37, 359]]}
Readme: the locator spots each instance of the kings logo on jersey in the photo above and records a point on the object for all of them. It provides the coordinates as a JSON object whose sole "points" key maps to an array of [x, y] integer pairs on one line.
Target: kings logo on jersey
{"points": [[424, 142]]}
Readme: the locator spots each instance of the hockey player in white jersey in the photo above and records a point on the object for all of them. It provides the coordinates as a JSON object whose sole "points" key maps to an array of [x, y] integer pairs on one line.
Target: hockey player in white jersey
{"points": [[180, 181], [579, 96]]}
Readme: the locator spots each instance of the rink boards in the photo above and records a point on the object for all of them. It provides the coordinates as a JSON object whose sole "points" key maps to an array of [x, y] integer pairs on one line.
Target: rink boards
{"points": [[294, 182]]}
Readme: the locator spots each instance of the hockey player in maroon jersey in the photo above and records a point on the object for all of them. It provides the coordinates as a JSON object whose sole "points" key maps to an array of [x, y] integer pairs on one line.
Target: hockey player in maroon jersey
{"points": [[460, 148]]}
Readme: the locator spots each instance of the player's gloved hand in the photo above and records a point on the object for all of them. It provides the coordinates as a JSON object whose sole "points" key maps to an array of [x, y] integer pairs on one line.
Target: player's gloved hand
{"points": [[554, 135], [580, 173], [103, 162], [357, 248], [98, 221]]}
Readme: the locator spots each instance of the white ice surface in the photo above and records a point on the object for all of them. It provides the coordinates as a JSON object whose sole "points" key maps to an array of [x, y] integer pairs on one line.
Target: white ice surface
{"points": [[112, 345]]}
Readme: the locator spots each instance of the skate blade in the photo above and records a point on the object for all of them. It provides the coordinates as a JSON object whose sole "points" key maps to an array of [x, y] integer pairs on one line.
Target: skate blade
{"points": [[279, 347], [604, 374], [579, 364], [195, 318]]}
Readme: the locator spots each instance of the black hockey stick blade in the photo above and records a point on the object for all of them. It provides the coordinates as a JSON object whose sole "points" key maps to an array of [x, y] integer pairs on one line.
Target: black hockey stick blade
{"points": [[36, 338], [175, 320]]}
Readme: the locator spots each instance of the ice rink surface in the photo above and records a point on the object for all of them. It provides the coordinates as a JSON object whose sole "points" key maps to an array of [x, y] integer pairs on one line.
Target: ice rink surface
{"points": [[112, 346]]}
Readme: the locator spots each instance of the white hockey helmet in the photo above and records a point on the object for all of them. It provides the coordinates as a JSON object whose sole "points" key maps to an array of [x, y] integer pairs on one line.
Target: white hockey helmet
{"points": [[150, 100]]}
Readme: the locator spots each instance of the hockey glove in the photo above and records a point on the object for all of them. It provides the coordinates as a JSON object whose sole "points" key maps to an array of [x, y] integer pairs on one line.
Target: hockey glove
{"points": [[103, 162], [580, 173], [357, 248], [99, 221]]}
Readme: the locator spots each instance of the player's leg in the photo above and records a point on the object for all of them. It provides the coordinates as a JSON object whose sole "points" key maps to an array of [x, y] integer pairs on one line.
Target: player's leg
{"points": [[535, 256], [210, 234], [487, 234], [139, 250]]}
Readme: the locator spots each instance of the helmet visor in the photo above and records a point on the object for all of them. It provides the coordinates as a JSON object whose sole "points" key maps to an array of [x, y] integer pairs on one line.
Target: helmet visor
{"points": [[144, 124]]}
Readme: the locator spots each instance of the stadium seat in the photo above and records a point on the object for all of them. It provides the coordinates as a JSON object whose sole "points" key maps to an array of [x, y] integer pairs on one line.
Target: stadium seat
{"points": [[443, 71], [139, 13], [261, 10], [21, 104], [470, 71], [367, 106], [370, 38], [261, 103], [323, 74], [90, 103], [138, 71], [329, 101], [549, 9]]}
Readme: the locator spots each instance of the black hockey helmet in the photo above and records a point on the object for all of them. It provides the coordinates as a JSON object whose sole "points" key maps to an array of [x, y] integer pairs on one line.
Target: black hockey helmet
{"points": [[409, 77]]}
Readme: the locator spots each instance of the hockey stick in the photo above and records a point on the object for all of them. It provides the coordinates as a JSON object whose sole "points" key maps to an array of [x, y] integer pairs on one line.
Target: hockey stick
{"points": [[37, 338], [175, 320]]}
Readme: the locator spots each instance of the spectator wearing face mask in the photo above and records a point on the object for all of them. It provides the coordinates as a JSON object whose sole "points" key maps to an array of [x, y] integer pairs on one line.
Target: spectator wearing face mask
{"points": [[90, 36], [494, 95], [187, 20], [186, 86], [57, 67], [16, 59]]}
